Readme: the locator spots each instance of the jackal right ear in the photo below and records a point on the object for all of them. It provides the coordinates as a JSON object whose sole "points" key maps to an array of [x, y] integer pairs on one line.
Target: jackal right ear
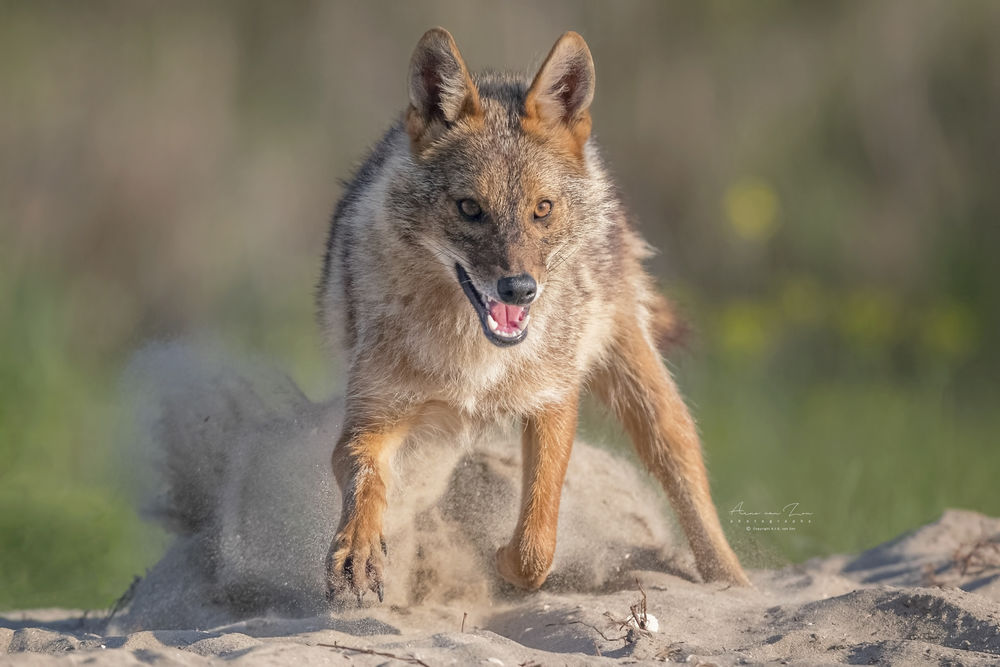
{"points": [[441, 89], [560, 95]]}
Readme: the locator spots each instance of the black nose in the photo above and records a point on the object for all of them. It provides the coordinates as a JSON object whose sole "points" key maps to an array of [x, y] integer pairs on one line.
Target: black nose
{"points": [[517, 290]]}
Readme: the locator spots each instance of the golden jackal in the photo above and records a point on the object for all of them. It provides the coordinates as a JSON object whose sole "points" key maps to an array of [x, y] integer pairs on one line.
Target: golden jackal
{"points": [[480, 266]]}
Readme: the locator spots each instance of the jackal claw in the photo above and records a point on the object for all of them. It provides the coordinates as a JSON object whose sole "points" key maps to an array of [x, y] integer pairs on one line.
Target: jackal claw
{"points": [[345, 576]]}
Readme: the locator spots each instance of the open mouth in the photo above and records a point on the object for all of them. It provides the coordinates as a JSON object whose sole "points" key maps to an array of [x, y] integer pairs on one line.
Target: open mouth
{"points": [[503, 324]]}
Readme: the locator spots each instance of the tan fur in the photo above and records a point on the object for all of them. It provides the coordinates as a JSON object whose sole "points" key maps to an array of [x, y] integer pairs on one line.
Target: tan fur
{"points": [[545, 448], [360, 465], [640, 391], [418, 355]]}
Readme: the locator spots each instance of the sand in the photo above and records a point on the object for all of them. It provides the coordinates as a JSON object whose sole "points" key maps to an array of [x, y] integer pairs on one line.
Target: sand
{"points": [[236, 467]]}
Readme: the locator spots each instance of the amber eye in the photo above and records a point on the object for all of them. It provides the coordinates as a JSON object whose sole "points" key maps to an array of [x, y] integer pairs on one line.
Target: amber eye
{"points": [[470, 209], [542, 209]]}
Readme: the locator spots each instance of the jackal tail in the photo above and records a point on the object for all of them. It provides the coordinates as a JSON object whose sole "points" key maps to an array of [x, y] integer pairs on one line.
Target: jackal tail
{"points": [[669, 329]]}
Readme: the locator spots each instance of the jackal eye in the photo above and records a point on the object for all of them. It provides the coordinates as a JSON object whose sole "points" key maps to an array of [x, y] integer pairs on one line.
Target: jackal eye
{"points": [[542, 209], [470, 209]]}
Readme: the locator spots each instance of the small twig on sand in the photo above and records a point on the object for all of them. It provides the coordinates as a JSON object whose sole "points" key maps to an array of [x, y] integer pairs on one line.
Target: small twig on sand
{"points": [[621, 624], [592, 627], [368, 651], [982, 554], [971, 558], [638, 621], [636, 624], [465, 615], [124, 600], [632, 633], [639, 609]]}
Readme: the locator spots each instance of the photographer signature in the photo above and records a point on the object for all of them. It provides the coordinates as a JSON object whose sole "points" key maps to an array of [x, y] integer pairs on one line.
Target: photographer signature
{"points": [[789, 510]]}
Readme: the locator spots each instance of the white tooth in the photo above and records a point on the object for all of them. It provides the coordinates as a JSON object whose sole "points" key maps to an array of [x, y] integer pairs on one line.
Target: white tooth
{"points": [[492, 322], [523, 323]]}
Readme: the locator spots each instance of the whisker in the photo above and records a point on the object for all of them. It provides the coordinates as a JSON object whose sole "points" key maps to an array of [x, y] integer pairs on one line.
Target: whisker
{"points": [[565, 257], [554, 258], [442, 251]]}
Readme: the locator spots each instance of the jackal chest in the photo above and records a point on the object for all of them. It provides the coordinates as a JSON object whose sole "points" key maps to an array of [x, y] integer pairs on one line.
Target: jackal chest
{"points": [[498, 383], [448, 360], [505, 391]]}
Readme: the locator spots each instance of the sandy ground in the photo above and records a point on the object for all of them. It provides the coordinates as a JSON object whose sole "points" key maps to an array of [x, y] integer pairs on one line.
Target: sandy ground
{"points": [[905, 602], [238, 467]]}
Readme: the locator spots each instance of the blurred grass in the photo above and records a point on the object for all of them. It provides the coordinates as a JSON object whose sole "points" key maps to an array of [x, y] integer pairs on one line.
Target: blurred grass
{"points": [[821, 179], [869, 459], [68, 535]]}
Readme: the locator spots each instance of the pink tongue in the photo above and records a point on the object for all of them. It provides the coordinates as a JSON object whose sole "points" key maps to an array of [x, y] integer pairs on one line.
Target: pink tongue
{"points": [[506, 316]]}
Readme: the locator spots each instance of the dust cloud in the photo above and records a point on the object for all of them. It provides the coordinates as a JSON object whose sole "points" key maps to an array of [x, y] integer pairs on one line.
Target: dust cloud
{"points": [[233, 460]]}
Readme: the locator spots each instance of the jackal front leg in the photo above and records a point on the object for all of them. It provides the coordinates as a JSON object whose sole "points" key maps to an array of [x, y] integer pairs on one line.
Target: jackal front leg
{"points": [[356, 559], [545, 446], [640, 391]]}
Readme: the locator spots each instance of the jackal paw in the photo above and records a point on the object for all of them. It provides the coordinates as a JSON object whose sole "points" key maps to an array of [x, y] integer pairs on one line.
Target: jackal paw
{"points": [[355, 565], [727, 572], [526, 573]]}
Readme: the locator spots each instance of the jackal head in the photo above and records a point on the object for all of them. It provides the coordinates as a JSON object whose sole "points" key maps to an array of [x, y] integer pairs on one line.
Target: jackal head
{"points": [[497, 187]]}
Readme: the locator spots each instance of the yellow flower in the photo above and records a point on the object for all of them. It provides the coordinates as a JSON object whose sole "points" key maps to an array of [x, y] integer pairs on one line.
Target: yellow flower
{"points": [[746, 329], [870, 316], [752, 209]]}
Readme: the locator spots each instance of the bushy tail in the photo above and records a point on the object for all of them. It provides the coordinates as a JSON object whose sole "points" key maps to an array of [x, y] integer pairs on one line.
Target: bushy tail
{"points": [[669, 330]]}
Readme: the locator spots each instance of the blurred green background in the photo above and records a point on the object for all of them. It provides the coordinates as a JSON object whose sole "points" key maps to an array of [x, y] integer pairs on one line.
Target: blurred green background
{"points": [[821, 178]]}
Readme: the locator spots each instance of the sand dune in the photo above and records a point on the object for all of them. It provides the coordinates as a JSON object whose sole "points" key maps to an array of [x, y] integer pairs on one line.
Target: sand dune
{"points": [[239, 473]]}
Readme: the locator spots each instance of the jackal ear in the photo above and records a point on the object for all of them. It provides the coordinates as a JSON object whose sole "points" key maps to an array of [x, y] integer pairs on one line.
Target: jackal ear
{"points": [[563, 89], [441, 90]]}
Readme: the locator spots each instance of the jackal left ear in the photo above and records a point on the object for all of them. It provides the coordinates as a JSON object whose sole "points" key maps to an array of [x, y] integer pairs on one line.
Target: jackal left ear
{"points": [[563, 89], [441, 89]]}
